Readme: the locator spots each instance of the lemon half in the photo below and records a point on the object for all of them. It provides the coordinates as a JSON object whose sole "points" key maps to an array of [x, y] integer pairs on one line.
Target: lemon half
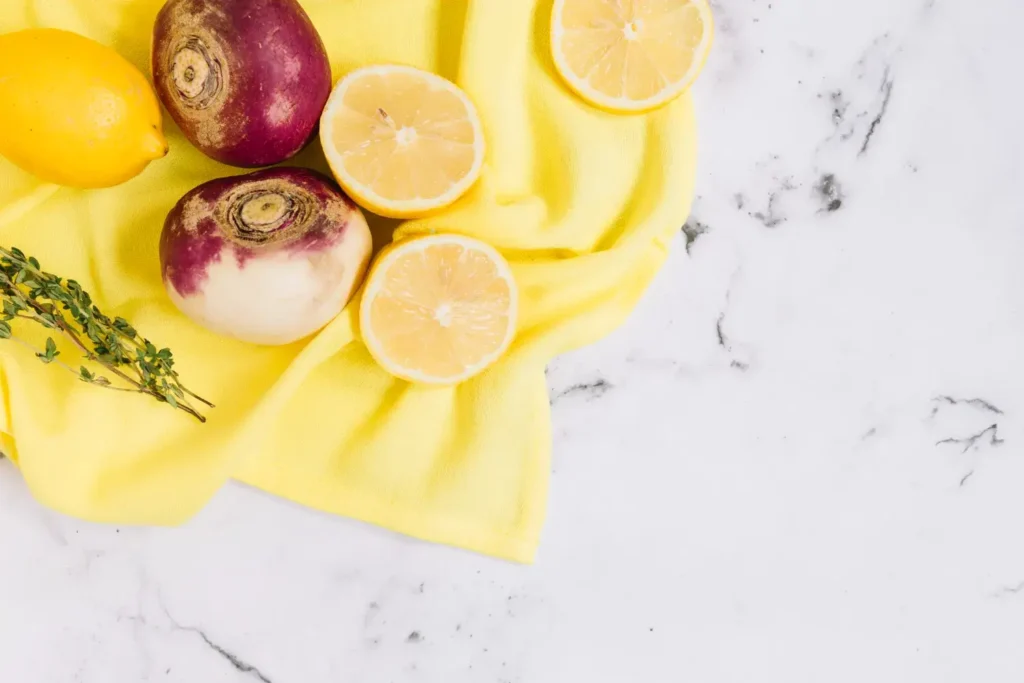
{"points": [[439, 309], [401, 141], [630, 55]]}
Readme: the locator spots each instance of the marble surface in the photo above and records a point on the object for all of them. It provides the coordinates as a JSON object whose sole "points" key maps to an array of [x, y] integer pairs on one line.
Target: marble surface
{"points": [[802, 459]]}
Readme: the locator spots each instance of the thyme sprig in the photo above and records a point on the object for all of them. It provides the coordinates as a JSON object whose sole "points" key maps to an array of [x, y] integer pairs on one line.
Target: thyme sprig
{"points": [[29, 293]]}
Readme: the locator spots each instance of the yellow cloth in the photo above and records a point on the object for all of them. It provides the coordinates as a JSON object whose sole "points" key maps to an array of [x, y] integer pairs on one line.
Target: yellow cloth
{"points": [[583, 203]]}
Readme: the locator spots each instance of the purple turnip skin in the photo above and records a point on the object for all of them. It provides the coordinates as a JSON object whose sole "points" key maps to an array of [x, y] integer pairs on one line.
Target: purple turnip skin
{"points": [[245, 80], [268, 258]]}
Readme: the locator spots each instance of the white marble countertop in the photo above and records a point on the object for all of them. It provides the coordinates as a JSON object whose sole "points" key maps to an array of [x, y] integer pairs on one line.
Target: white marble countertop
{"points": [[802, 460]]}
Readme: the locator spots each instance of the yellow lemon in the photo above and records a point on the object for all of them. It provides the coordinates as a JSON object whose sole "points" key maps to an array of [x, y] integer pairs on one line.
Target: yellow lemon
{"points": [[401, 141], [439, 309], [74, 112], [630, 55]]}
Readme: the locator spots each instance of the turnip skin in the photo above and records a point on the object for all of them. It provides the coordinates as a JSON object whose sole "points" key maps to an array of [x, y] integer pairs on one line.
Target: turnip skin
{"points": [[268, 258], [245, 80]]}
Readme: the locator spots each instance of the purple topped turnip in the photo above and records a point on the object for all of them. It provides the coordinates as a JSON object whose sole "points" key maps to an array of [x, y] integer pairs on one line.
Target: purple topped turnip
{"points": [[245, 80], [268, 258]]}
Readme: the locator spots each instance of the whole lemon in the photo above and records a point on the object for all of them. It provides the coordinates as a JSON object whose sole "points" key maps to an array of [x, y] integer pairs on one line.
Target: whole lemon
{"points": [[74, 112]]}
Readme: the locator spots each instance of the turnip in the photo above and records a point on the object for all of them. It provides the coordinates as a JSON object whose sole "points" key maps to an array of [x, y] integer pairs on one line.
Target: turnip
{"points": [[245, 80], [268, 258]]}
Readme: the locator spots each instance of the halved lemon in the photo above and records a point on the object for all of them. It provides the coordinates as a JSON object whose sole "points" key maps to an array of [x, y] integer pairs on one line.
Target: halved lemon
{"points": [[401, 141], [439, 309], [630, 55]]}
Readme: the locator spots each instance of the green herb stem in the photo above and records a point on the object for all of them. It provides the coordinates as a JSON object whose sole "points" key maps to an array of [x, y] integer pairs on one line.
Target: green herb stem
{"points": [[29, 293]]}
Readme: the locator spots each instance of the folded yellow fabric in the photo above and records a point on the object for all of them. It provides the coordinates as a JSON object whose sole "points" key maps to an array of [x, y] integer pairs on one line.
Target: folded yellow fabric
{"points": [[583, 204]]}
